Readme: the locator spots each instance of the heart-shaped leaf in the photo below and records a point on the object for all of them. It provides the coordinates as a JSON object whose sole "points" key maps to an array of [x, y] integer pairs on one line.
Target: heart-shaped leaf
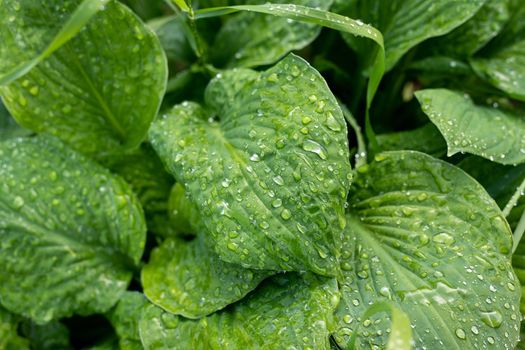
{"points": [[71, 233], [286, 312], [189, 279], [266, 162], [428, 238], [68, 94], [492, 133]]}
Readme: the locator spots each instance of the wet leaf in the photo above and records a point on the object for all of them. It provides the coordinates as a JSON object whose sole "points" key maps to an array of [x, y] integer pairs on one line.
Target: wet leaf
{"points": [[406, 23], [250, 39], [125, 319], [426, 139], [287, 312], [100, 91], [9, 338], [189, 279], [429, 239], [492, 133], [67, 226], [266, 163], [50, 336]]}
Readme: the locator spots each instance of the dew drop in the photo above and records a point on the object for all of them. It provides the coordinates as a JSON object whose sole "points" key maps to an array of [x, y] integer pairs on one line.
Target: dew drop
{"points": [[460, 333], [314, 147]]}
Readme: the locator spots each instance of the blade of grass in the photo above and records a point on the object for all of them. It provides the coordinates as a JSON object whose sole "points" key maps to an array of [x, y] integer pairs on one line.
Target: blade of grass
{"points": [[401, 333], [83, 13], [328, 20]]}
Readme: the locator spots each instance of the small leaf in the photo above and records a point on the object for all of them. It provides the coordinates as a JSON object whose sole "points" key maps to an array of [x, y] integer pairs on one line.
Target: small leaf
{"points": [[269, 177], [425, 139], [144, 171], [502, 62], [491, 133], [406, 23], [287, 312], [426, 237], [189, 279], [9, 338], [171, 34], [125, 319], [100, 91], [250, 39], [67, 226], [183, 214], [51, 336]]}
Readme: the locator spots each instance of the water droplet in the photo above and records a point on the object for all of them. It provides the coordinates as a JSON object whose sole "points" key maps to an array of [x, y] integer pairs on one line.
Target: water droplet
{"points": [[443, 238], [314, 147], [285, 214], [332, 123], [255, 158], [492, 318], [474, 330], [278, 180], [276, 203], [491, 340], [460, 333], [18, 202], [232, 246]]}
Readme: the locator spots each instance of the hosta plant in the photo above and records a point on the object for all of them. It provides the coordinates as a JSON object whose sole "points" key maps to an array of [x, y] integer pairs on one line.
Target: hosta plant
{"points": [[228, 174]]}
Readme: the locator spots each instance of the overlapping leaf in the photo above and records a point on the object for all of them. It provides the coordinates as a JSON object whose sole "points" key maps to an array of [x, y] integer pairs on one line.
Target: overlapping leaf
{"points": [[287, 312], [70, 232], [249, 39], [68, 94], [266, 163], [125, 319], [425, 139], [502, 62], [492, 133], [425, 236], [9, 338], [406, 23], [183, 215], [189, 279]]}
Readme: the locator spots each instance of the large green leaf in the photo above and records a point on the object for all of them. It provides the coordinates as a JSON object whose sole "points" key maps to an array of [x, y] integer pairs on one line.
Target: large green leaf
{"points": [[70, 232], [474, 34], [125, 319], [9, 338], [287, 312], [270, 176], [100, 91], [250, 39], [406, 23], [428, 238], [171, 34], [189, 279], [492, 133], [502, 62]]}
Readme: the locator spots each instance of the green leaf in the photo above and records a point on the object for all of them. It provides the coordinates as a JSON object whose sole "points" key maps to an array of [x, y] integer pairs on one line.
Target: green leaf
{"points": [[400, 337], [250, 39], [70, 232], [100, 91], [125, 319], [270, 176], [51, 336], [171, 33], [465, 40], [502, 62], [492, 133], [184, 216], [143, 170], [189, 279], [426, 237], [43, 32], [406, 23], [8, 127], [287, 312], [9, 338], [426, 138], [110, 343]]}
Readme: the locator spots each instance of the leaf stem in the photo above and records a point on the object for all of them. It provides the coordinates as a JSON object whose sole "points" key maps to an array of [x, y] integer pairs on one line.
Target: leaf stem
{"points": [[360, 157], [514, 199], [518, 232]]}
